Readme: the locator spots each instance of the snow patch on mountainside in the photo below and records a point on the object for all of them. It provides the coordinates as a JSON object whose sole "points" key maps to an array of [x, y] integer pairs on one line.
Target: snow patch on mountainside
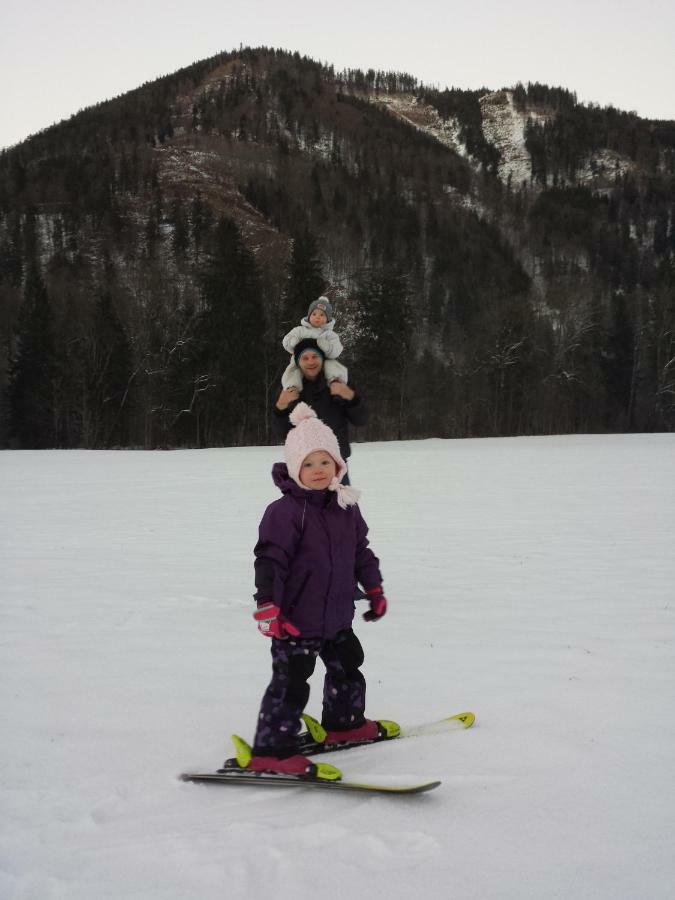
{"points": [[184, 164], [504, 127], [602, 168], [321, 145], [186, 173], [425, 118], [447, 131]]}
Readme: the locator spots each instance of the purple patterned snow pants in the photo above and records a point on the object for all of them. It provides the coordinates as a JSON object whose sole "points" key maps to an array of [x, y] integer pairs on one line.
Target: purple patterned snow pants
{"points": [[293, 661]]}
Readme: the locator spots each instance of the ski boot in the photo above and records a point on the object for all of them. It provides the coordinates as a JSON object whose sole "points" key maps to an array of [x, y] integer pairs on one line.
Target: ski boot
{"points": [[367, 733], [296, 766]]}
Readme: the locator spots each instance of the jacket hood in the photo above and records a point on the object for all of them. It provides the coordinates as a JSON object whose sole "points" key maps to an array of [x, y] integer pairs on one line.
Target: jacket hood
{"points": [[286, 485]]}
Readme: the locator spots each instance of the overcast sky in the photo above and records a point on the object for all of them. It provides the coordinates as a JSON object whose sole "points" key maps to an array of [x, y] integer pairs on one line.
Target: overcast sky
{"points": [[59, 56]]}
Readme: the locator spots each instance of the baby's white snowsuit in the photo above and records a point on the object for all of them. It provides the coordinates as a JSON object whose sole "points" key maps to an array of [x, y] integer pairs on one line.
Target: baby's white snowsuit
{"points": [[327, 340]]}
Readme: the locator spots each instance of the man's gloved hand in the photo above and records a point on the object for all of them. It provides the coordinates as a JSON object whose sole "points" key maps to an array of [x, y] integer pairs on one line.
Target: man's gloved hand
{"points": [[271, 623], [378, 604]]}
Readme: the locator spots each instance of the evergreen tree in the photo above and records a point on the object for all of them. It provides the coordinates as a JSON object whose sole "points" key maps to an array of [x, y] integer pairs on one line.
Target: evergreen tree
{"points": [[305, 278], [618, 360], [201, 220], [661, 233], [32, 371], [11, 267], [181, 231], [383, 347], [228, 373], [110, 366]]}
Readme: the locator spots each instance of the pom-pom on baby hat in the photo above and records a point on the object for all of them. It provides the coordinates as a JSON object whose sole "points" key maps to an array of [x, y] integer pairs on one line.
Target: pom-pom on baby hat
{"points": [[308, 435]]}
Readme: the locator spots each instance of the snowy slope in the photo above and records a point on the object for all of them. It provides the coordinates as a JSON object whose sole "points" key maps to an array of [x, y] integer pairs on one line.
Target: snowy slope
{"points": [[530, 579]]}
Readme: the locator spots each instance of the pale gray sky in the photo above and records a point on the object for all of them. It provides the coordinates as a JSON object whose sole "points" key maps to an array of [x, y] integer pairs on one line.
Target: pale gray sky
{"points": [[58, 56]]}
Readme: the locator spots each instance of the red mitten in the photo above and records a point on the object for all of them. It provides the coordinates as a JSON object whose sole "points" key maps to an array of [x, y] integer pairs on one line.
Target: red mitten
{"points": [[272, 623], [378, 604]]}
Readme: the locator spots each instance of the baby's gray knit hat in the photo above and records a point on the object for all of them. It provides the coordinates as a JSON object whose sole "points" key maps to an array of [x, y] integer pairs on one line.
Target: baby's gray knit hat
{"points": [[322, 303]]}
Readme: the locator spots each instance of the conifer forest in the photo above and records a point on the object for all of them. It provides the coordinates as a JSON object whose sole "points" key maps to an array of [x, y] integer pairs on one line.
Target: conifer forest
{"points": [[155, 249]]}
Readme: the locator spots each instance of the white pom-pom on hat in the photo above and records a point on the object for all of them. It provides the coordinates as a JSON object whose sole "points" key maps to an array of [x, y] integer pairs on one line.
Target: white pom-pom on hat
{"points": [[301, 412]]}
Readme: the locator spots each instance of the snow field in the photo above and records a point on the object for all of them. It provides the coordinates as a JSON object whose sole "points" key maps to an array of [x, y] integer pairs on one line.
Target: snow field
{"points": [[530, 580]]}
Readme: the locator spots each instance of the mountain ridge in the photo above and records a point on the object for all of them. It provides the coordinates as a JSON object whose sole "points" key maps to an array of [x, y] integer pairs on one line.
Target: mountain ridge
{"points": [[501, 261]]}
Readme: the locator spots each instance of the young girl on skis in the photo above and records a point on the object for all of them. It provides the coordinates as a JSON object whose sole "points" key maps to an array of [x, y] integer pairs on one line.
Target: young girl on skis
{"points": [[312, 551]]}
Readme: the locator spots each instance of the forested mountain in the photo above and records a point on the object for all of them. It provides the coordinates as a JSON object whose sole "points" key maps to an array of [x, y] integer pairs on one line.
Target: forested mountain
{"points": [[500, 262]]}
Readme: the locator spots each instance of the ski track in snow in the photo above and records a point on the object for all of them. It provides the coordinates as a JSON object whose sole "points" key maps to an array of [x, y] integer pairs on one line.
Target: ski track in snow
{"points": [[530, 580]]}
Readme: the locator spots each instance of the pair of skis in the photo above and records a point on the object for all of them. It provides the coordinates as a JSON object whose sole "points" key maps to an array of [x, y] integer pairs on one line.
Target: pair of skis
{"points": [[311, 744]]}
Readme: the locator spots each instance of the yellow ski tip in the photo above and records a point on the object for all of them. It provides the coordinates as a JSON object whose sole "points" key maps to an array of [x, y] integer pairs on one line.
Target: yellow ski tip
{"points": [[315, 728], [466, 718], [243, 751], [326, 772], [392, 729]]}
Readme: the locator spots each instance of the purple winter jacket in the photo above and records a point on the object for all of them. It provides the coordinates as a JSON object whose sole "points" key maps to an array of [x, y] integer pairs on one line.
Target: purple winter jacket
{"points": [[309, 556]]}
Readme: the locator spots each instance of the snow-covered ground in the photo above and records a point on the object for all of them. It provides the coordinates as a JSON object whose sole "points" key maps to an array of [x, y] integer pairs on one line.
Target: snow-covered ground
{"points": [[531, 580]]}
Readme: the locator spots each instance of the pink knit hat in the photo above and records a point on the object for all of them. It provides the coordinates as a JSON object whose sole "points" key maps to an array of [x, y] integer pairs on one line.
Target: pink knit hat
{"points": [[311, 434]]}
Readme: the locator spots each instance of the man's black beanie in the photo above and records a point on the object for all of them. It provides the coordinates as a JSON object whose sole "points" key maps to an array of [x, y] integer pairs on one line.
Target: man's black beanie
{"points": [[307, 344]]}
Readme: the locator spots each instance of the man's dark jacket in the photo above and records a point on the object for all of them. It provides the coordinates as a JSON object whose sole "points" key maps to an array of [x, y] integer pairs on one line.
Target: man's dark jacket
{"points": [[336, 412]]}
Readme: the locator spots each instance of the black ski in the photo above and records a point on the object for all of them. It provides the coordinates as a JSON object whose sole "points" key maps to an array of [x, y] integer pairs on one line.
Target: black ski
{"points": [[265, 779]]}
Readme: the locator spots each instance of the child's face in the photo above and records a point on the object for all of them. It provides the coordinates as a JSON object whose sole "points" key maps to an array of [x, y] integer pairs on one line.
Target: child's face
{"points": [[318, 470], [317, 318]]}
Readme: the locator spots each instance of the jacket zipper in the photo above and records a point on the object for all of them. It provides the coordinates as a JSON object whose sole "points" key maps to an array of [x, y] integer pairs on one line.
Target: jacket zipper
{"points": [[330, 579]]}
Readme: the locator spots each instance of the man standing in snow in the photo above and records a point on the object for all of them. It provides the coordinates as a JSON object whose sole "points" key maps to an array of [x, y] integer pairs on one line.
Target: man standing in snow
{"points": [[337, 404]]}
